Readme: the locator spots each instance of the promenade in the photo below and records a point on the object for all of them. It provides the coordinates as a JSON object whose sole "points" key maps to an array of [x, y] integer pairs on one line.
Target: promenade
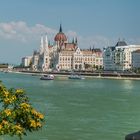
{"points": [[109, 75]]}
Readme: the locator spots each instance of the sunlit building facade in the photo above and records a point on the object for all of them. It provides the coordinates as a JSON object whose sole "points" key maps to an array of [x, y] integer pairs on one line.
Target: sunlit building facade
{"points": [[119, 57], [65, 55], [26, 61]]}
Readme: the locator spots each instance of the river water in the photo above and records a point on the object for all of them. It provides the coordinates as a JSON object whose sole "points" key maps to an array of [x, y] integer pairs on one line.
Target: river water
{"points": [[90, 109]]}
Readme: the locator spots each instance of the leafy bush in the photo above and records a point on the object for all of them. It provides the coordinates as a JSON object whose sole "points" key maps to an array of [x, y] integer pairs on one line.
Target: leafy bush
{"points": [[17, 116]]}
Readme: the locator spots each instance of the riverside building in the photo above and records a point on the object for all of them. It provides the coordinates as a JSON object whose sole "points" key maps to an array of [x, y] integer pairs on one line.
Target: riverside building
{"points": [[119, 57], [26, 61], [136, 59], [65, 55]]}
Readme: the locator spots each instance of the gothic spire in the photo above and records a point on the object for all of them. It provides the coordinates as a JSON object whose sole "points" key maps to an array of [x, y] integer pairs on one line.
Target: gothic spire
{"points": [[41, 41], [49, 43], [60, 29], [46, 40], [46, 44], [41, 44], [76, 40], [73, 41]]}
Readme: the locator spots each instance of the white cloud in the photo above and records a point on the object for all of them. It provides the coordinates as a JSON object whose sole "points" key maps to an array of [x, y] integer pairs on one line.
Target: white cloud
{"points": [[20, 31]]}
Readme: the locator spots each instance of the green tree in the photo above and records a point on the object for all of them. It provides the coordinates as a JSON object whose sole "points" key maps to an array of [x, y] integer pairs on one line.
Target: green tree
{"points": [[17, 116]]}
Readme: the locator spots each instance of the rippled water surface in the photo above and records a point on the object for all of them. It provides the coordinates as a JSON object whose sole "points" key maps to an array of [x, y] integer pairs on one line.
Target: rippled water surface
{"points": [[99, 109]]}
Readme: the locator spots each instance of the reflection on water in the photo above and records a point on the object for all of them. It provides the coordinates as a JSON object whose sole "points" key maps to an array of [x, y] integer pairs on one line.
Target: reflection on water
{"points": [[128, 84]]}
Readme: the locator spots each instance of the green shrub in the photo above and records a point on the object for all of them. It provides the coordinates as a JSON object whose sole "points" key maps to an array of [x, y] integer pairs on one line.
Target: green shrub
{"points": [[17, 116]]}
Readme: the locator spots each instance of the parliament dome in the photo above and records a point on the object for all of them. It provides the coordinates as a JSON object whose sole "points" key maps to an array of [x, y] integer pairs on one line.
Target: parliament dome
{"points": [[60, 36]]}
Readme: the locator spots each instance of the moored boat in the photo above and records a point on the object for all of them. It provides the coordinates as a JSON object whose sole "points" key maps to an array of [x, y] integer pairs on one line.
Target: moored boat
{"points": [[75, 76], [47, 77]]}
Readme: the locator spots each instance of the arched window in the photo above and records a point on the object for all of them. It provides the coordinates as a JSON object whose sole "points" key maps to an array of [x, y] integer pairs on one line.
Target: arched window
{"points": [[80, 66]]}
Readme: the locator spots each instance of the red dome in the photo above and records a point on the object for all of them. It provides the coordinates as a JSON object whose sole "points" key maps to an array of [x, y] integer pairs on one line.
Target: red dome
{"points": [[60, 37]]}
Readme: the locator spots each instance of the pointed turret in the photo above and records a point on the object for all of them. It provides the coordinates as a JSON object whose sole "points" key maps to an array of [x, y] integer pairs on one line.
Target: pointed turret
{"points": [[46, 40], [76, 40], [90, 48], [49, 43], [46, 44], [41, 45], [60, 29], [73, 41], [41, 41]]}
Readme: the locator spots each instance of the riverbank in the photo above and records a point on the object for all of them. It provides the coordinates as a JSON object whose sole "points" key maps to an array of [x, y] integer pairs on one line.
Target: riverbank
{"points": [[119, 76]]}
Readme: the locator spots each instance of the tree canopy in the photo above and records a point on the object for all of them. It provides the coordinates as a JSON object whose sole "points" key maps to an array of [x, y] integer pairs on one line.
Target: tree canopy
{"points": [[17, 116]]}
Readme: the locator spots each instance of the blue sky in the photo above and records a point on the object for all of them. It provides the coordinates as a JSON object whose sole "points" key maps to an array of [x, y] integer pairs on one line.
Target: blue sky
{"points": [[94, 22]]}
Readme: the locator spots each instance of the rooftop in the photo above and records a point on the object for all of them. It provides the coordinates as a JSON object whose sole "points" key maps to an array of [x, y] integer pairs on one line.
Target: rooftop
{"points": [[121, 43]]}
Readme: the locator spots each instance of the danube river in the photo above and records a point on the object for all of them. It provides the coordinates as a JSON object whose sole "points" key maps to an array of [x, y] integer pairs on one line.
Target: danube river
{"points": [[90, 109]]}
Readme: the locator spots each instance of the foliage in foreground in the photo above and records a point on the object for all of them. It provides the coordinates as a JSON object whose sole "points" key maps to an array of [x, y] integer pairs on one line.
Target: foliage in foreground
{"points": [[17, 116]]}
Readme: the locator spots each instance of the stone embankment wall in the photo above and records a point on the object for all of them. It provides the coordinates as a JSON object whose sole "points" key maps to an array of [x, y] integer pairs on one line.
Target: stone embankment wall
{"points": [[123, 75]]}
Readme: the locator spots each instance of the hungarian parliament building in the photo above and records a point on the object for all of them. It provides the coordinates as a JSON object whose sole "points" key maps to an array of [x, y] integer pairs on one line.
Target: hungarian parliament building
{"points": [[63, 55]]}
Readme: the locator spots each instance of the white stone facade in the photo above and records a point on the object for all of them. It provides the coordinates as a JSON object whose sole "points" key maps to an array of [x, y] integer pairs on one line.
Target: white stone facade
{"points": [[120, 58], [26, 61], [109, 58], [64, 55]]}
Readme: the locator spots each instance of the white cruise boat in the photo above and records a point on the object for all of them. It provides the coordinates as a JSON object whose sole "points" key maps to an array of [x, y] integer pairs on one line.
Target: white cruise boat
{"points": [[47, 77], [75, 76]]}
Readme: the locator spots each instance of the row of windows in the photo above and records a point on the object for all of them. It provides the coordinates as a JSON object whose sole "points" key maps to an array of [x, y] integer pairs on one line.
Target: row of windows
{"points": [[76, 67], [65, 59], [80, 63], [79, 59], [90, 62], [87, 55]]}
